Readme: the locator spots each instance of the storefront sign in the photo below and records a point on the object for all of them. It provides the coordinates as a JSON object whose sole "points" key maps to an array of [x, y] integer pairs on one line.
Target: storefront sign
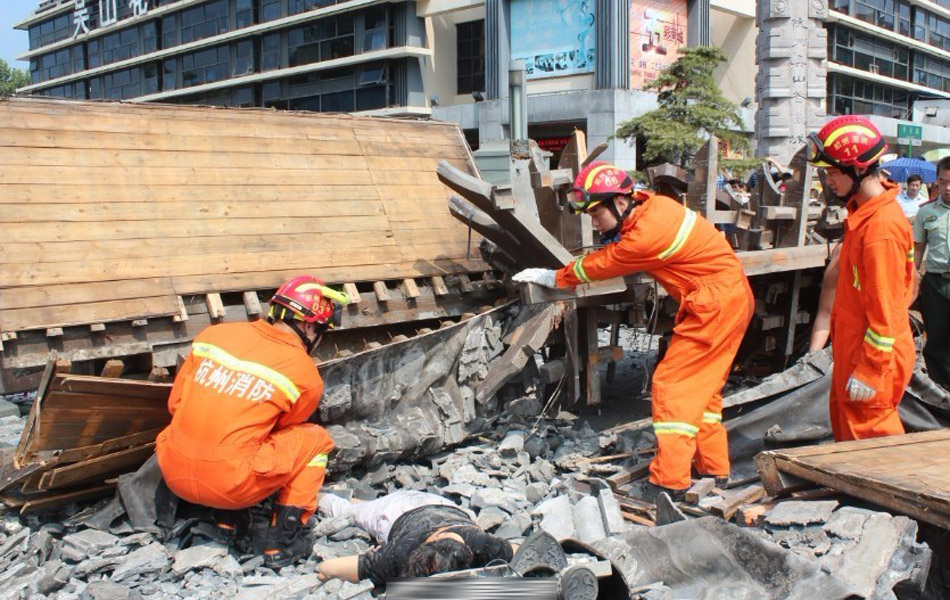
{"points": [[657, 31], [554, 37]]}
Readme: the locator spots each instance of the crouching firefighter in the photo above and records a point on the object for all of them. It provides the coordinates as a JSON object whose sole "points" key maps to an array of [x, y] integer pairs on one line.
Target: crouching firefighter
{"points": [[649, 233], [240, 405]]}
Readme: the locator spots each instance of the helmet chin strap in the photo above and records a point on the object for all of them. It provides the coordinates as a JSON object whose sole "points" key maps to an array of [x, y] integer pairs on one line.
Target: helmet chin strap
{"points": [[856, 181], [613, 235], [307, 342]]}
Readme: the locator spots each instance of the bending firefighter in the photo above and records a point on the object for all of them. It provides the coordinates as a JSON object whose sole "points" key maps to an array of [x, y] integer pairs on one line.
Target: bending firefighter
{"points": [[239, 408], [695, 264], [871, 340]]}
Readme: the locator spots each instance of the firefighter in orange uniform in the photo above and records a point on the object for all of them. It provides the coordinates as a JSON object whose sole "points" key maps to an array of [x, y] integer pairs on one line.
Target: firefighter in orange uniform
{"points": [[697, 266], [871, 340], [240, 405]]}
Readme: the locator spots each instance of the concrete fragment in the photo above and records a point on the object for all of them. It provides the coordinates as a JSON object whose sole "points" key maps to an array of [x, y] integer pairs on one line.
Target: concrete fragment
{"points": [[610, 512], [491, 497], [52, 576], [535, 447], [557, 517], [202, 556], [16, 543], [145, 560], [331, 525], [666, 511], [491, 517], [349, 590], [587, 520], [252, 563], [228, 566], [847, 523], [467, 473], [350, 533], [107, 590], [90, 541], [535, 492], [9, 409], [460, 489], [800, 512], [512, 444]]}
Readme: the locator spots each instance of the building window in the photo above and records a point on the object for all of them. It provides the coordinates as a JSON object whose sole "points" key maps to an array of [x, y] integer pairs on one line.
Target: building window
{"points": [[121, 45], [57, 64], [122, 85], [243, 13], [205, 66], [70, 90], [270, 52], [851, 95], [204, 21], [243, 58], [869, 54], [375, 29], [298, 6], [150, 79], [877, 12], [51, 31], [932, 29], [470, 57], [270, 10], [170, 74], [324, 40], [932, 72], [842, 6]]}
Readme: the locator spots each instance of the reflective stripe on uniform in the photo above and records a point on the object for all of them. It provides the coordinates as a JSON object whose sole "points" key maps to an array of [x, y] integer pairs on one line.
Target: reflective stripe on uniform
{"points": [[579, 271], [685, 228], [319, 460], [884, 344], [675, 427], [857, 282], [910, 255], [220, 356], [710, 417]]}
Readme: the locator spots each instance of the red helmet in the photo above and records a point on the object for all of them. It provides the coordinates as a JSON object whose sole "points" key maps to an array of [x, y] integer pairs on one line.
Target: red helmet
{"points": [[597, 182], [848, 141], [308, 299]]}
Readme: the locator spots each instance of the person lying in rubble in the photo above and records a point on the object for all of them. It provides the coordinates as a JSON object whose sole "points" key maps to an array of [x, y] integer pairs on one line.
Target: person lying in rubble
{"points": [[419, 534], [239, 432], [691, 259]]}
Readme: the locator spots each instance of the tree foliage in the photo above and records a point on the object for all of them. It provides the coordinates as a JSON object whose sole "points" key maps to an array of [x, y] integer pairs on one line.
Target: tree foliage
{"points": [[11, 78], [691, 107]]}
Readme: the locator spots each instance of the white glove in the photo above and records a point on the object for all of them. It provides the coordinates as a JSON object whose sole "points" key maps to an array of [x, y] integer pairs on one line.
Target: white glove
{"points": [[543, 277], [858, 390]]}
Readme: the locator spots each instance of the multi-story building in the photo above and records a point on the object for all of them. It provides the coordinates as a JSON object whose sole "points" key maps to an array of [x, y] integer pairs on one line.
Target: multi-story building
{"points": [[357, 55], [586, 61]]}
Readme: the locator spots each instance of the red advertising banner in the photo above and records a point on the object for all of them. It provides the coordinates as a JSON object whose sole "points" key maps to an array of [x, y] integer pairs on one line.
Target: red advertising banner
{"points": [[657, 30]]}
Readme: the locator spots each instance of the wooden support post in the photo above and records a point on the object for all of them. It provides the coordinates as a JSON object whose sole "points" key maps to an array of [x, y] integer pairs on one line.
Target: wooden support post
{"points": [[159, 375], [352, 293], [139, 322], [614, 342], [97, 327], [63, 365], [382, 292], [439, 287], [410, 289], [113, 368], [590, 351], [54, 332], [182, 315], [252, 304], [215, 306]]}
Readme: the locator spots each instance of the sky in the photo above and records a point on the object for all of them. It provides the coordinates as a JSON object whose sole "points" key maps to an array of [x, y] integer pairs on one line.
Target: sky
{"points": [[14, 42]]}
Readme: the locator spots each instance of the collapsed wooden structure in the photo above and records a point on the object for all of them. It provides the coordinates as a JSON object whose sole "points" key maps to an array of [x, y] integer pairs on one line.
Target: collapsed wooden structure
{"points": [[127, 228], [527, 224]]}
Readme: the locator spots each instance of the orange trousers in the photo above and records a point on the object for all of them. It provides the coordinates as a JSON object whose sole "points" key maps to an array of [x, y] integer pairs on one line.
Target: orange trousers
{"points": [[292, 460], [687, 384], [878, 416]]}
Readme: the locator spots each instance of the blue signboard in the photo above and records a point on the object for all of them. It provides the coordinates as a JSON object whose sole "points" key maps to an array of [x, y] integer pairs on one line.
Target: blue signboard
{"points": [[554, 37]]}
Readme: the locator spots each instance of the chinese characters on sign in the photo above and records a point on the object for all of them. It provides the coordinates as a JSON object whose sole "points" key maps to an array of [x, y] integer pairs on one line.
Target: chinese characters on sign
{"points": [[657, 30], [108, 13]]}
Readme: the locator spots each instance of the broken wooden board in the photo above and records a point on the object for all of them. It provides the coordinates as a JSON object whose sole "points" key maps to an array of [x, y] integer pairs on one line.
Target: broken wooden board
{"points": [[908, 474], [204, 201]]}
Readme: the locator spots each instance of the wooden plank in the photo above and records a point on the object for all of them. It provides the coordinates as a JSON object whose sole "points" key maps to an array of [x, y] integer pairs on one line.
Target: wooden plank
{"points": [[81, 314], [80, 293], [410, 289], [439, 287], [700, 490], [352, 293], [215, 306], [382, 292], [627, 475], [252, 304], [11, 323], [733, 499], [182, 315], [113, 368], [97, 469], [465, 283], [48, 502], [25, 450], [51, 192]]}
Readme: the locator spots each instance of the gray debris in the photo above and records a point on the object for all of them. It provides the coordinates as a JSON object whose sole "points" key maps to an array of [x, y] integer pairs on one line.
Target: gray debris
{"points": [[535, 492], [587, 522], [145, 560], [491, 517], [801, 512], [89, 541], [106, 590], [492, 497], [557, 517], [847, 523], [203, 556], [512, 444]]}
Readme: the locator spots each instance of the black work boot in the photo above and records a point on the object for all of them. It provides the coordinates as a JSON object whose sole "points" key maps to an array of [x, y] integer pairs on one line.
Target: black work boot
{"points": [[229, 525], [287, 539], [648, 491]]}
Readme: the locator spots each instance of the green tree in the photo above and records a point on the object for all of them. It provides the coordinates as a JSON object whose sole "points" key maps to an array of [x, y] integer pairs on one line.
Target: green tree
{"points": [[691, 107], [11, 78]]}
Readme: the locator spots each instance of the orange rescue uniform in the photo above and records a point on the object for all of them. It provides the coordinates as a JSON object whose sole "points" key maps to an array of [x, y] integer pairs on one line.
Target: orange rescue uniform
{"points": [[695, 264], [239, 408], [870, 330]]}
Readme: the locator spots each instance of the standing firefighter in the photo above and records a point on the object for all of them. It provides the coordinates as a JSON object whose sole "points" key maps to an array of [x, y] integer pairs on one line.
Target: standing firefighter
{"points": [[693, 261], [871, 340], [239, 408]]}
